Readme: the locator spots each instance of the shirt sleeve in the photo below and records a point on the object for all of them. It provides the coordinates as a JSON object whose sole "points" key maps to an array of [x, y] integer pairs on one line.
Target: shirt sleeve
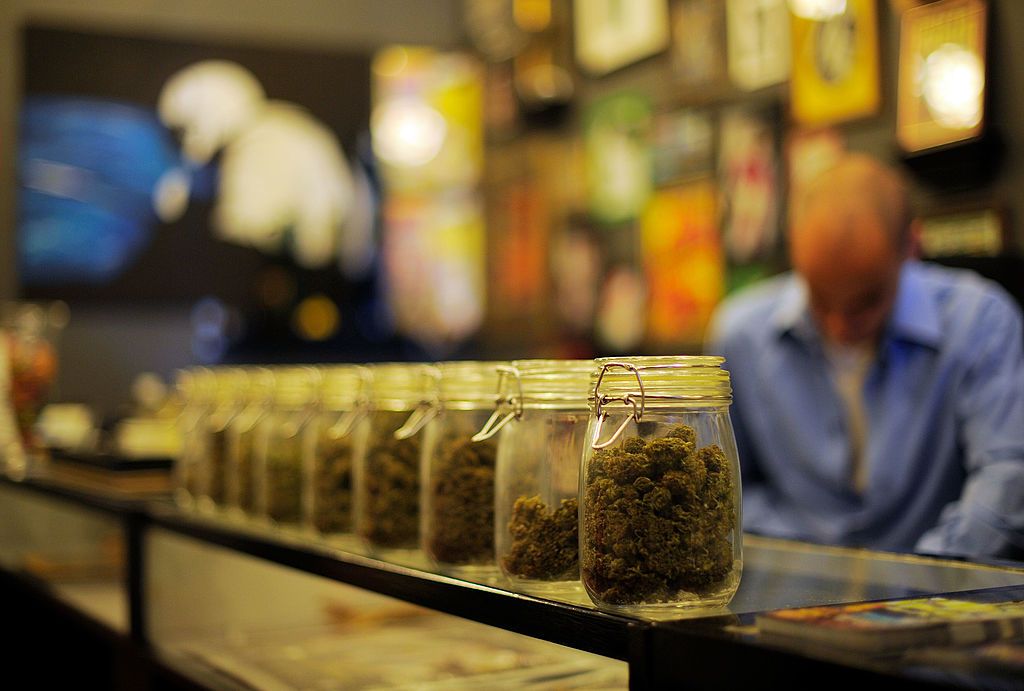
{"points": [[988, 518]]}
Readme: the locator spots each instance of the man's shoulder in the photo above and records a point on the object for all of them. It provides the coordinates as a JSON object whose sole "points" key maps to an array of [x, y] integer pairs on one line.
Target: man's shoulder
{"points": [[961, 291], [748, 311]]}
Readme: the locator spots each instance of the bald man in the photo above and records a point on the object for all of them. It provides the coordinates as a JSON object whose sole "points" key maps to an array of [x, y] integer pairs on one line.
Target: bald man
{"points": [[878, 400]]}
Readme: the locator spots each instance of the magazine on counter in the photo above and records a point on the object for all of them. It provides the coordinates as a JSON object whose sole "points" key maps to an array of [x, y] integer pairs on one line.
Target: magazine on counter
{"points": [[892, 626]]}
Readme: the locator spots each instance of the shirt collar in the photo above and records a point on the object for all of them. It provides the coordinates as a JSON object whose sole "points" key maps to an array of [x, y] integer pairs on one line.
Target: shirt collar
{"points": [[914, 317]]}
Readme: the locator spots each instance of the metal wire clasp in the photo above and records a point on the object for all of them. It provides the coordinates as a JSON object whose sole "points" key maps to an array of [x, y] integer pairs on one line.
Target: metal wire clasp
{"points": [[506, 406], [601, 400], [346, 422], [423, 413]]}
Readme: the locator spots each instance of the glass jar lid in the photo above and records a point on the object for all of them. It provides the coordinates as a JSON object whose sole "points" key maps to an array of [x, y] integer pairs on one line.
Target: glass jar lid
{"points": [[540, 383], [402, 386], [295, 386], [468, 384], [344, 387], [657, 379]]}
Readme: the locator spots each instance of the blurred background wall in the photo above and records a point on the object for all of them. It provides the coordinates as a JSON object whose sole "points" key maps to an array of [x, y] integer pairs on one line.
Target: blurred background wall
{"points": [[105, 345]]}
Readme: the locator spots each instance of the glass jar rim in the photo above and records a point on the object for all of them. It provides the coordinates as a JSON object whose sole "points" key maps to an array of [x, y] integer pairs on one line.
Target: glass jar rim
{"points": [[401, 386], [659, 380], [344, 386]]}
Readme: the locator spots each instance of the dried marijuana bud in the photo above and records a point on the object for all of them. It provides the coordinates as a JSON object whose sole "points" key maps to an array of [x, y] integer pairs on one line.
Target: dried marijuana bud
{"points": [[217, 458], [462, 501], [659, 519], [391, 508], [284, 483], [545, 543], [332, 503]]}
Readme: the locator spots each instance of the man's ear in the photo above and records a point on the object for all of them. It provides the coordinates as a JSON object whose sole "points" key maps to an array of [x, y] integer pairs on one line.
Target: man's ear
{"points": [[914, 239]]}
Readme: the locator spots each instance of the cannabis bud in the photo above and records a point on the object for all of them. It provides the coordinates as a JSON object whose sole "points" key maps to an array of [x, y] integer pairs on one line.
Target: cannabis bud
{"points": [[545, 542], [462, 501], [659, 519]]}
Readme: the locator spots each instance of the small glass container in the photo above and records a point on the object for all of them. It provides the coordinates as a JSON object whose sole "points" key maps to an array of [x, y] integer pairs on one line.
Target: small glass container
{"points": [[387, 475], [458, 473], [258, 400], [660, 487], [541, 421], [340, 432], [196, 387], [228, 400], [283, 447]]}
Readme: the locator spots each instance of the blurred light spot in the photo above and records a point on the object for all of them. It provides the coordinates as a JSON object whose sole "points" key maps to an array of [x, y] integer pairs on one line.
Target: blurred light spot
{"points": [[953, 81], [170, 195], [391, 62], [407, 132], [817, 10], [276, 287], [316, 318]]}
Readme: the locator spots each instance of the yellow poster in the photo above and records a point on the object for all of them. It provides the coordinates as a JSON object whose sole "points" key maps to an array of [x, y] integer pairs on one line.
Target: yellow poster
{"points": [[835, 65], [683, 261]]}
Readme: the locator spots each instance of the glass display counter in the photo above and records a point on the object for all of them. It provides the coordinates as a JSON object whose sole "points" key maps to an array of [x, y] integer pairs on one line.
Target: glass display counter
{"points": [[235, 606]]}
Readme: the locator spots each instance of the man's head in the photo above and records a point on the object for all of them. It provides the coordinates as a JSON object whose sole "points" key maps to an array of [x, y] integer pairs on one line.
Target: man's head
{"points": [[849, 235]]}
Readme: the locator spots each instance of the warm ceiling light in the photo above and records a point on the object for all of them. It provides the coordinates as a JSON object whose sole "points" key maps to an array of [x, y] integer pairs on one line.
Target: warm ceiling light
{"points": [[817, 10], [952, 82], [407, 132]]}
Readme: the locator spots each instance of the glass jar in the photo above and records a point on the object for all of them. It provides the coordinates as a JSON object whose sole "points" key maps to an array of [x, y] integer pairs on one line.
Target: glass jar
{"points": [[660, 487], [258, 399], [340, 431], [230, 383], [196, 387], [284, 447], [387, 475], [458, 473], [541, 421]]}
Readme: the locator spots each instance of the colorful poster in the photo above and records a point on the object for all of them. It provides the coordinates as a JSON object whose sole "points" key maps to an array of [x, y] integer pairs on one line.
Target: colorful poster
{"points": [[748, 175], [758, 42], [611, 34], [618, 156], [683, 261], [434, 253], [835, 65], [427, 119], [518, 246]]}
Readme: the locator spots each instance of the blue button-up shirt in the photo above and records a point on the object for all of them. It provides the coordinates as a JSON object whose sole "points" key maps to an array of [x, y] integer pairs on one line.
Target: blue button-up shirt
{"points": [[944, 401]]}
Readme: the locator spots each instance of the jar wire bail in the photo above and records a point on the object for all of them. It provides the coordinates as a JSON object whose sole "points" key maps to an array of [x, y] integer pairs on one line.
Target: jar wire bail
{"points": [[602, 399]]}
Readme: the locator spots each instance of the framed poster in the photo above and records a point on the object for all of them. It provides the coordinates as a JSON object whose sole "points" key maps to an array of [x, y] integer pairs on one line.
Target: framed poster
{"points": [[611, 34], [758, 42], [942, 74], [683, 263], [835, 66], [748, 176], [618, 157]]}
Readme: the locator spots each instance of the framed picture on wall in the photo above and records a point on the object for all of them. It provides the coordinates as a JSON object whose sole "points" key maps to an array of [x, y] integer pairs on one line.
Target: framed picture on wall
{"points": [[611, 34], [758, 42], [942, 74], [835, 66]]}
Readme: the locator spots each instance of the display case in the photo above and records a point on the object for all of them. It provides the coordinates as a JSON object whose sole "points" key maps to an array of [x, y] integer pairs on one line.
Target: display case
{"points": [[219, 604]]}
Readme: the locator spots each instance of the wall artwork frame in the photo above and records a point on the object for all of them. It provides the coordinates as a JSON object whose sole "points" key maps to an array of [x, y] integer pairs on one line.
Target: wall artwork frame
{"points": [[939, 42], [611, 34]]}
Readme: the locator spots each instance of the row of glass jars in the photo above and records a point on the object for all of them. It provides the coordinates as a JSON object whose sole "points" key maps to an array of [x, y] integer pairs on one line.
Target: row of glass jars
{"points": [[620, 473]]}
